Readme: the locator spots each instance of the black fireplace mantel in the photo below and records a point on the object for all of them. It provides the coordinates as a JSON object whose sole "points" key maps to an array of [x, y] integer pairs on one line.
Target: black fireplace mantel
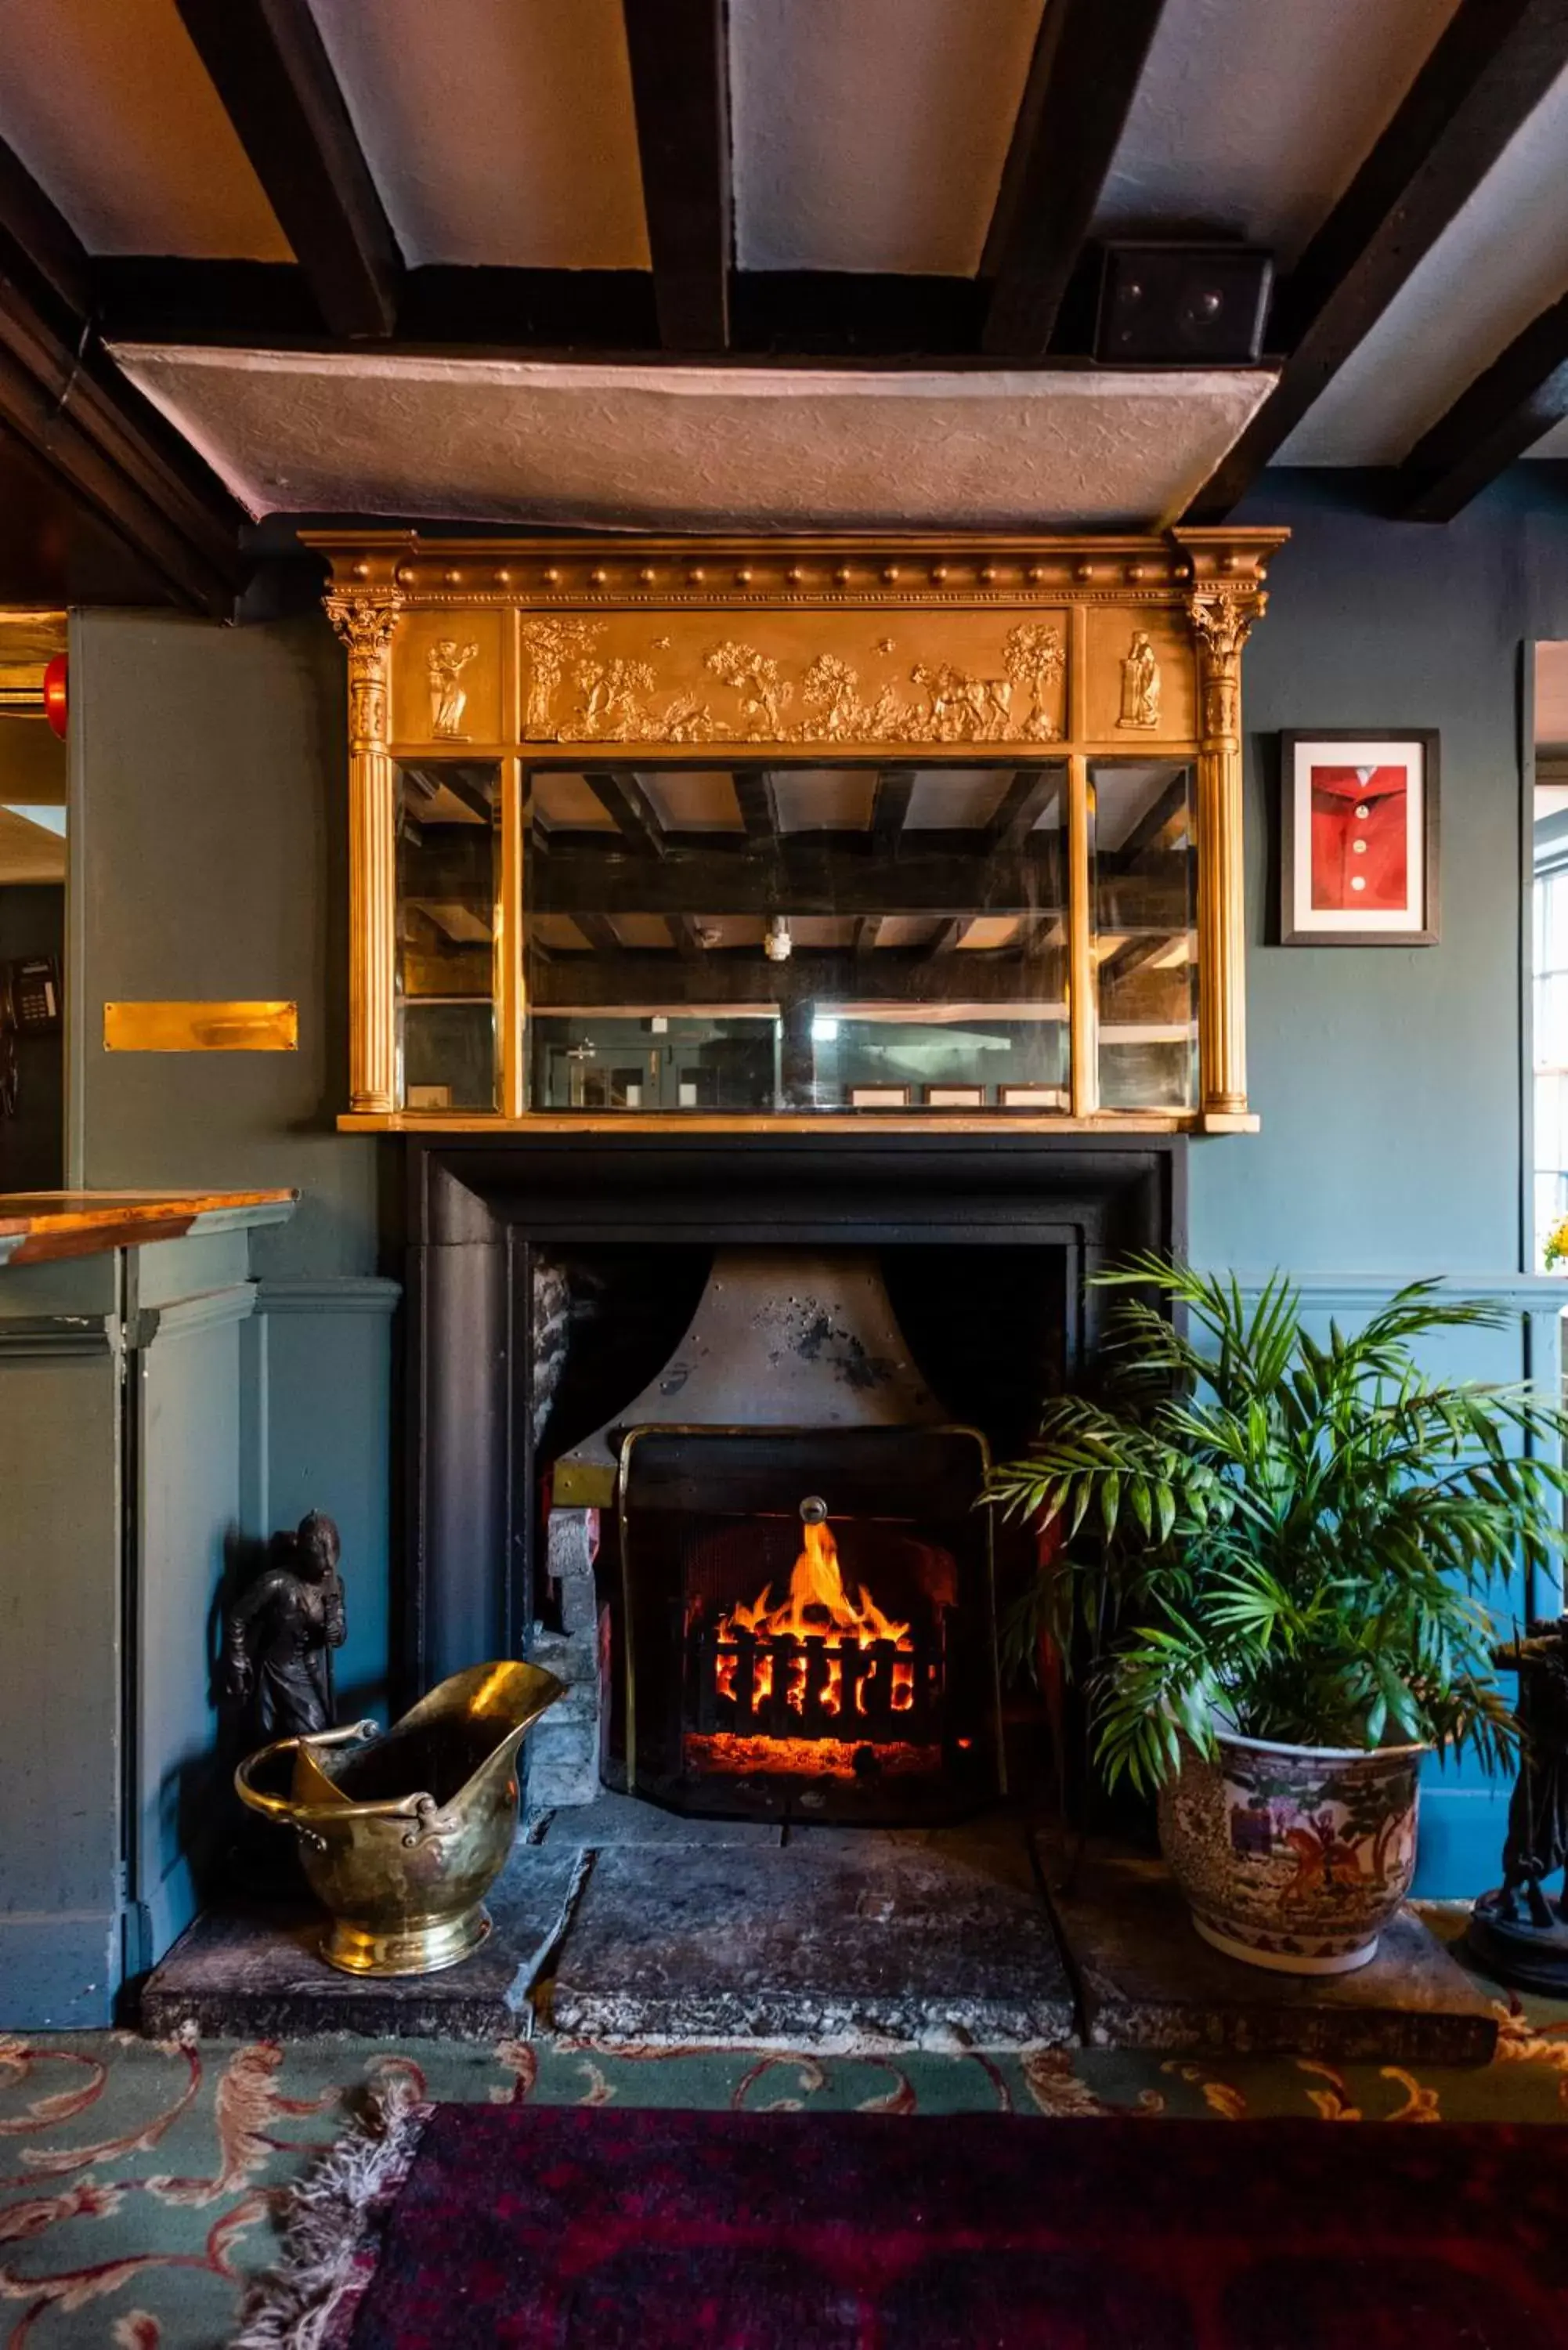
{"points": [[479, 1206]]}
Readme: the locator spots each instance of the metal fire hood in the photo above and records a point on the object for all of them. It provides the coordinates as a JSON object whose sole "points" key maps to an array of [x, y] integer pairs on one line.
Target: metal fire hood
{"points": [[796, 1338]]}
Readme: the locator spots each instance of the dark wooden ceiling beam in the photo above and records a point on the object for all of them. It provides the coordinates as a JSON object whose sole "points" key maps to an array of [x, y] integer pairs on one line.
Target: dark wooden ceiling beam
{"points": [[37, 239], [269, 65], [1088, 61], [680, 89], [1487, 73], [1514, 403], [96, 434], [89, 429]]}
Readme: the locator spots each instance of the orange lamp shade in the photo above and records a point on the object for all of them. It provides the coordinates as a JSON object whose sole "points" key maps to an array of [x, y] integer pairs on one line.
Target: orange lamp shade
{"points": [[54, 694]]}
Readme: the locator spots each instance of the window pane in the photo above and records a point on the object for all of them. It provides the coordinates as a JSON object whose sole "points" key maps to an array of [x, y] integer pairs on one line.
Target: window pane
{"points": [[748, 939], [447, 864], [1144, 937]]}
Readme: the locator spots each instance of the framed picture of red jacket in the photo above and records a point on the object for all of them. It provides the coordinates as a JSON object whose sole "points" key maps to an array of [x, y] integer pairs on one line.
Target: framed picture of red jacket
{"points": [[1358, 838]]}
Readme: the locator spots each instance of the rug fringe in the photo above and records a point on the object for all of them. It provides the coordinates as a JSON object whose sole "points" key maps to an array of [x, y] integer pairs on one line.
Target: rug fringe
{"points": [[332, 2225]]}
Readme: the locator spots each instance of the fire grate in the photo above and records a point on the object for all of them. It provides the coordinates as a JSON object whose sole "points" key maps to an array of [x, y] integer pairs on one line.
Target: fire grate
{"points": [[878, 1692]]}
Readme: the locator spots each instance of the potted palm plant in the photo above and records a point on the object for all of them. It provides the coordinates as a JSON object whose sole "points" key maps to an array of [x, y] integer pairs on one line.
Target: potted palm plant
{"points": [[1275, 1556]]}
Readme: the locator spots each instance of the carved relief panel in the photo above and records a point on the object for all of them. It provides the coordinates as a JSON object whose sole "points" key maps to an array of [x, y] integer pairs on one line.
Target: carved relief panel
{"points": [[1139, 678], [447, 678]]}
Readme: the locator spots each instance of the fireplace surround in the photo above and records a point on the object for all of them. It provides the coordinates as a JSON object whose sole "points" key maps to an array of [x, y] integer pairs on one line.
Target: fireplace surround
{"points": [[985, 1244]]}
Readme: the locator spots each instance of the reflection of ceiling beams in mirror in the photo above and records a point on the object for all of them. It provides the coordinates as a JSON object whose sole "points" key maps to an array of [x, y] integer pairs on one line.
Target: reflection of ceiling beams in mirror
{"points": [[891, 806], [1022, 805], [947, 938], [625, 802], [453, 794], [757, 801], [627, 983], [1161, 823], [797, 881], [457, 922]]}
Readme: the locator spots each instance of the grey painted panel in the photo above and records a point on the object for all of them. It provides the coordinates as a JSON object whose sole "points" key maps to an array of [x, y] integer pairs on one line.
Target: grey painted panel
{"points": [[187, 1424], [171, 1269], [60, 1634], [210, 862], [58, 1971]]}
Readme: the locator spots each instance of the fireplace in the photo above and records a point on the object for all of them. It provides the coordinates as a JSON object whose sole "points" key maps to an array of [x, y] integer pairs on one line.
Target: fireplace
{"points": [[794, 1604], [735, 1511]]}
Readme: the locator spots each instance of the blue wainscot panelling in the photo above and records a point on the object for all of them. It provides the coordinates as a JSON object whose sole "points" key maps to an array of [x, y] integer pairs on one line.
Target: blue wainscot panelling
{"points": [[320, 1375], [1463, 1809]]}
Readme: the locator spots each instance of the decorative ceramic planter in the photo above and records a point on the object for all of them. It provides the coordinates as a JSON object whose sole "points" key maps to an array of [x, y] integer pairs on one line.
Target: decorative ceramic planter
{"points": [[1293, 1857]]}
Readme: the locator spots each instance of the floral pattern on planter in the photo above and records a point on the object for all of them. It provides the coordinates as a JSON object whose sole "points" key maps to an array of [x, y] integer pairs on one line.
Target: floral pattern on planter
{"points": [[1293, 1857]]}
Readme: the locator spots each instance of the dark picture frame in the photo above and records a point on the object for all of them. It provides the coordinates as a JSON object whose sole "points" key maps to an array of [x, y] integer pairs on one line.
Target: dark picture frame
{"points": [[1393, 823]]}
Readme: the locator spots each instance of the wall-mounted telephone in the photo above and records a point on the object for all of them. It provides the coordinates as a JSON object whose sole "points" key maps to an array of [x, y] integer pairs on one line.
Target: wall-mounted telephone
{"points": [[29, 1006]]}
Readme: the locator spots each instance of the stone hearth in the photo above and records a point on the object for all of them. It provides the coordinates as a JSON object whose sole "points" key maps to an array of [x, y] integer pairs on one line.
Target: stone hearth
{"points": [[629, 1925]]}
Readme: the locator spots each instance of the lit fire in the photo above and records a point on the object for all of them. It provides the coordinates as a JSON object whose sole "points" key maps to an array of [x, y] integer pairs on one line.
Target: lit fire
{"points": [[818, 1609]]}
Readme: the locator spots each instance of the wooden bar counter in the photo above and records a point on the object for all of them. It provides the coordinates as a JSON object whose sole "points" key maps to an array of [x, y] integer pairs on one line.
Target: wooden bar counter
{"points": [[39, 1227]]}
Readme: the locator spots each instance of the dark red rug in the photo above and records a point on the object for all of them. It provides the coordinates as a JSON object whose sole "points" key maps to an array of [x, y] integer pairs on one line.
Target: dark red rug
{"points": [[583, 2229]]}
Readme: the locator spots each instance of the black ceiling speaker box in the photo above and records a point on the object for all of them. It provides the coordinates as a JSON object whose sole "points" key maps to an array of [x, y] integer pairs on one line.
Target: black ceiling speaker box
{"points": [[1182, 304]]}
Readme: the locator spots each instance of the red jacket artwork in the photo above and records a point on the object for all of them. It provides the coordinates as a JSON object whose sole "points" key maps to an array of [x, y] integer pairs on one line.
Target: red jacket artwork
{"points": [[1360, 861]]}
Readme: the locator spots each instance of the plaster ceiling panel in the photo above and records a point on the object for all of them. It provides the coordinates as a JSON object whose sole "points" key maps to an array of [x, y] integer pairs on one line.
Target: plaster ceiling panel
{"points": [[499, 131], [1253, 115], [871, 134], [698, 448], [107, 104], [1502, 260]]}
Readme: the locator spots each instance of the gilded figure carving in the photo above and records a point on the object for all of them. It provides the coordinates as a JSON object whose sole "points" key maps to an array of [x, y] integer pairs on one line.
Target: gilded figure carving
{"points": [[1140, 684], [577, 693], [444, 665]]}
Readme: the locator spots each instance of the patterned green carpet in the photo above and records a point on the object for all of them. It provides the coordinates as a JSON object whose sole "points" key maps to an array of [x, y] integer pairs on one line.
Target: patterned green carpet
{"points": [[141, 2183]]}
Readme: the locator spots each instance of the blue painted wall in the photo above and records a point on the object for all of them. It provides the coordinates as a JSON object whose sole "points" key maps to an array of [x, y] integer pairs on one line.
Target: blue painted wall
{"points": [[1388, 1079], [209, 854]]}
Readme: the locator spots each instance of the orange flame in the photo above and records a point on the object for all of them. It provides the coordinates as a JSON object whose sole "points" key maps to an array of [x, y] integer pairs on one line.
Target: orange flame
{"points": [[818, 1608]]}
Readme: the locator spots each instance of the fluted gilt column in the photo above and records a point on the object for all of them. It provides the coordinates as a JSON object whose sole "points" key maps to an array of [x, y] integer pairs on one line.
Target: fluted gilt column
{"points": [[1221, 621], [366, 625]]}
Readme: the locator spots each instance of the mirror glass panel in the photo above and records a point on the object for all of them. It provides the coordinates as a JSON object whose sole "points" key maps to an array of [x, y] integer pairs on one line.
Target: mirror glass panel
{"points": [[448, 876], [736, 939], [1144, 923]]}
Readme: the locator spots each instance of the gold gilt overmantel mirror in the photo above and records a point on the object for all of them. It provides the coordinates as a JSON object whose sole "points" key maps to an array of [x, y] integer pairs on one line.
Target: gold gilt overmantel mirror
{"points": [[736, 833]]}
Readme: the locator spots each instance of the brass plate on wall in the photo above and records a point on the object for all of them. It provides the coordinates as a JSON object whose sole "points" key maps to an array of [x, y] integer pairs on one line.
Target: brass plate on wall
{"points": [[201, 1027]]}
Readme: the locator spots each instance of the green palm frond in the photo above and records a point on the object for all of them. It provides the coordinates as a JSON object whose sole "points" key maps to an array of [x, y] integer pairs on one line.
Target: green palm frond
{"points": [[1293, 1533]]}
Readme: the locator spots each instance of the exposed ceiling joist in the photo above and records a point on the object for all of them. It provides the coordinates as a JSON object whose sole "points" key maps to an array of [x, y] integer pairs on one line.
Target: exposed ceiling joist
{"points": [[1513, 404], [98, 435], [1489, 70], [37, 238], [268, 61], [680, 88], [1086, 63]]}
